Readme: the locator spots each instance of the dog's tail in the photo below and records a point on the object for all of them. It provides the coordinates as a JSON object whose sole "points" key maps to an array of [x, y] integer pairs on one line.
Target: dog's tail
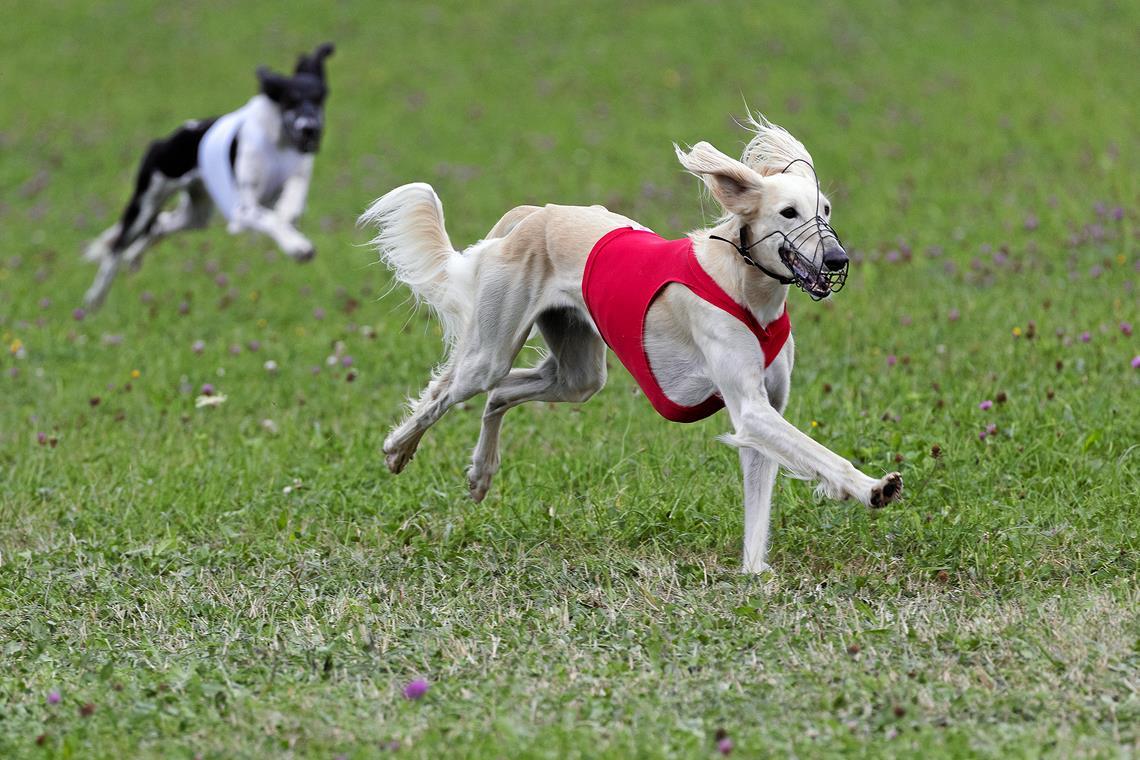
{"points": [[413, 242]]}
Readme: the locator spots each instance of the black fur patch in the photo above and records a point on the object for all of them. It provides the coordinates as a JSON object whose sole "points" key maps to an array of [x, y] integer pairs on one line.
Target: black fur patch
{"points": [[174, 156], [177, 154]]}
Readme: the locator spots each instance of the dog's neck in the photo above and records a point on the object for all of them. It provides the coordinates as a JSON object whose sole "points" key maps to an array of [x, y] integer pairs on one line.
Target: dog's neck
{"points": [[267, 116], [762, 295]]}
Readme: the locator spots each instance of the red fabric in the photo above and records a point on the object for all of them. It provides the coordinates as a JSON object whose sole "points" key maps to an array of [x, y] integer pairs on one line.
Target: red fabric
{"points": [[624, 273]]}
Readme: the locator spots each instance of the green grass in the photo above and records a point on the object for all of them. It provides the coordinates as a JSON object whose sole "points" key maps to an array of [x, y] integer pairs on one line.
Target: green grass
{"points": [[153, 565]]}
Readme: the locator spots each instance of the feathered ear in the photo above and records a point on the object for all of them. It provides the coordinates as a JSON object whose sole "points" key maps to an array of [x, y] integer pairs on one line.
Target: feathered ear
{"points": [[314, 63], [273, 85], [773, 149], [737, 188]]}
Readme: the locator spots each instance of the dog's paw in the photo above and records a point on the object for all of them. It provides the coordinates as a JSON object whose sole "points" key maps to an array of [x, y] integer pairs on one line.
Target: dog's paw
{"points": [[886, 490], [757, 568], [299, 248], [397, 458], [478, 483]]}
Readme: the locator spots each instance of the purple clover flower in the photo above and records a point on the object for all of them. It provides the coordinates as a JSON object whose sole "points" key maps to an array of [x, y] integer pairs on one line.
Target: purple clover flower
{"points": [[986, 405], [416, 689]]}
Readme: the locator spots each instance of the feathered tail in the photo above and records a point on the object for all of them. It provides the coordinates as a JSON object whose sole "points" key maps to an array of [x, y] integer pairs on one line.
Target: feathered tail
{"points": [[413, 242]]}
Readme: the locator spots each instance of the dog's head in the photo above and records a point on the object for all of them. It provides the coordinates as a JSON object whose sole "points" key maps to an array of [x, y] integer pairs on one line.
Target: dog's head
{"points": [[300, 97], [782, 217]]}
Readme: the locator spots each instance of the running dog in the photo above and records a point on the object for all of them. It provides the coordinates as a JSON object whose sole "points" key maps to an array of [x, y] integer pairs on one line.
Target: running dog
{"points": [[701, 323], [253, 165]]}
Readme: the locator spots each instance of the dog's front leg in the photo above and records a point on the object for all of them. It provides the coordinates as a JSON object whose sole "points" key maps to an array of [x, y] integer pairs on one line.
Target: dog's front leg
{"points": [[736, 367], [759, 481], [291, 203], [251, 215], [762, 428]]}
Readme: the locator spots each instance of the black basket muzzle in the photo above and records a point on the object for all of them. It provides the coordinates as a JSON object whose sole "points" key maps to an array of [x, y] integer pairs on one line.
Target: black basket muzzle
{"points": [[802, 251]]}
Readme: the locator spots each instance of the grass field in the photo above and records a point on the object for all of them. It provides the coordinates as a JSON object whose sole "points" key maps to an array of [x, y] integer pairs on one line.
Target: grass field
{"points": [[247, 580]]}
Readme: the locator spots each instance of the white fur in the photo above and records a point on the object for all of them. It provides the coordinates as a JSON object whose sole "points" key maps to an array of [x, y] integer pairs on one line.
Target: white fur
{"points": [[772, 149], [412, 241]]}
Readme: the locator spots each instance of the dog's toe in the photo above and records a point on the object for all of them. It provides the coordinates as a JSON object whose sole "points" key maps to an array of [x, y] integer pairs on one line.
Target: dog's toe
{"points": [[889, 489], [396, 460], [478, 484]]}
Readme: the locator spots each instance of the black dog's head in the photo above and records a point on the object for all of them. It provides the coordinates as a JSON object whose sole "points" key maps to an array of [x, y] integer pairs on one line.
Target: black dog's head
{"points": [[300, 97]]}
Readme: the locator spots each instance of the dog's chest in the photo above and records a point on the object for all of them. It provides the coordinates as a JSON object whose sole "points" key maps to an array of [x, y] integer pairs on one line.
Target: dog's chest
{"points": [[272, 165]]}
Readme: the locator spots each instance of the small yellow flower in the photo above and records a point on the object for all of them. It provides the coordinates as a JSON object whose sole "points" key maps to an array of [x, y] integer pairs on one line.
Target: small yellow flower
{"points": [[814, 424], [15, 346], [135, 374], [1017, 332], [1120, 258]]}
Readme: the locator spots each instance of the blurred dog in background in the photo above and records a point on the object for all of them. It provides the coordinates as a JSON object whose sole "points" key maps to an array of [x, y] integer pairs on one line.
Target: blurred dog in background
{"points": [[254, 165]]}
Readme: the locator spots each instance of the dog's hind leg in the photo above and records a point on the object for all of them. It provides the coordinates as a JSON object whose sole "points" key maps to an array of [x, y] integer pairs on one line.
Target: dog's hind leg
{"points": [[574, 371], [152, 190], [192, 213], [479, 361], [508, 299], [471, 372]]}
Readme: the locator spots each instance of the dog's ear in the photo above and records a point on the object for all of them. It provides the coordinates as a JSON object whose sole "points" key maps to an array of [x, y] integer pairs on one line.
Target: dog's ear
{"points": [[315, 62], [736, 187], [273, 85]]}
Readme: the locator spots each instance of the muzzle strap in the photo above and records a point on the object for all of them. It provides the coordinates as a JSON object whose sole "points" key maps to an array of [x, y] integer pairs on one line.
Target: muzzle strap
{"points": [[743, 249]]}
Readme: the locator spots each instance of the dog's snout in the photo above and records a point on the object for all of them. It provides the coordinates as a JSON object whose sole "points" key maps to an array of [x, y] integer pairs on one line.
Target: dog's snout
{"points": [[834, 257]]}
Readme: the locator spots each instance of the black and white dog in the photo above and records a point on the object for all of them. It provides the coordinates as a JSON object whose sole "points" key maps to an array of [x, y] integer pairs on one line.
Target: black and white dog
{"points": [[253, 165]]}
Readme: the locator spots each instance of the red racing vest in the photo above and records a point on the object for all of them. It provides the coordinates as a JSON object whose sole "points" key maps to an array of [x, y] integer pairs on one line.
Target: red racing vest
{"points": [[625, 271]]}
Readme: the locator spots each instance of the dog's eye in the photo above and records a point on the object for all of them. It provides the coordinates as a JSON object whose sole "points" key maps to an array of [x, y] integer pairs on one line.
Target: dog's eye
{"points": [[827, 210], [789, 213]]}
